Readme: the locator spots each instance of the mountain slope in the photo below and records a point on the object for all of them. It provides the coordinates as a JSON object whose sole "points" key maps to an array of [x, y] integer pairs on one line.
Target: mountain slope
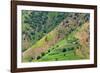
{"points": [[36, 24], [65, 28], [69, 48]]}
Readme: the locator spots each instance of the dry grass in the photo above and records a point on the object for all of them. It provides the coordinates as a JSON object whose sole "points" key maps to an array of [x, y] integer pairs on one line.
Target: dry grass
{"points": [[83, 37]]}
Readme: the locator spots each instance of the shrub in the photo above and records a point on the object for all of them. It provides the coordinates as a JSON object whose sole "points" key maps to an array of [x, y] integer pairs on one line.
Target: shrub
{"points": [[56, 59], [46, 39], [64, 54], [57, 46], [67, 21], [52, 48], [72, 48], [38, 57], [74, 18], [48, 50], [64, 50], [43, 54], [30, 59]]}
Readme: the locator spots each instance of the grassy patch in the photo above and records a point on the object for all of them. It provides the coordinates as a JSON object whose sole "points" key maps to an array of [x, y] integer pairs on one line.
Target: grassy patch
{"points": [[65, 49]]}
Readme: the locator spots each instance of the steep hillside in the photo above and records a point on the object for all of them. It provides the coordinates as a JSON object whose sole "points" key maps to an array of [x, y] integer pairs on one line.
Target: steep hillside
{"points": [[72, 47], [64, 29], [36, 24]]}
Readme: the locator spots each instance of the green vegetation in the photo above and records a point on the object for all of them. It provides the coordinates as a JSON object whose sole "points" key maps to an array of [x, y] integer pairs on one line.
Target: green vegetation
{"points": [[54, 36], [36, 24], [64, 49]]}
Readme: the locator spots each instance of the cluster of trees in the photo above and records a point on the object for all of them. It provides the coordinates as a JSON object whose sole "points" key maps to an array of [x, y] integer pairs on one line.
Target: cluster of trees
{"points": [[72, 21], [35, 24]]}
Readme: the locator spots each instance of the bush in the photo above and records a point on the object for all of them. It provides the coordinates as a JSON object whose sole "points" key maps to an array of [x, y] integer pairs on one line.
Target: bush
{"points": [[30, 59], [46, 39], [43, 54], [64, 54], [38, 57], [67, 21], [64, 50], [56, 59], [48, 50], [57, 46], [72, 48], [52, 48]]}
